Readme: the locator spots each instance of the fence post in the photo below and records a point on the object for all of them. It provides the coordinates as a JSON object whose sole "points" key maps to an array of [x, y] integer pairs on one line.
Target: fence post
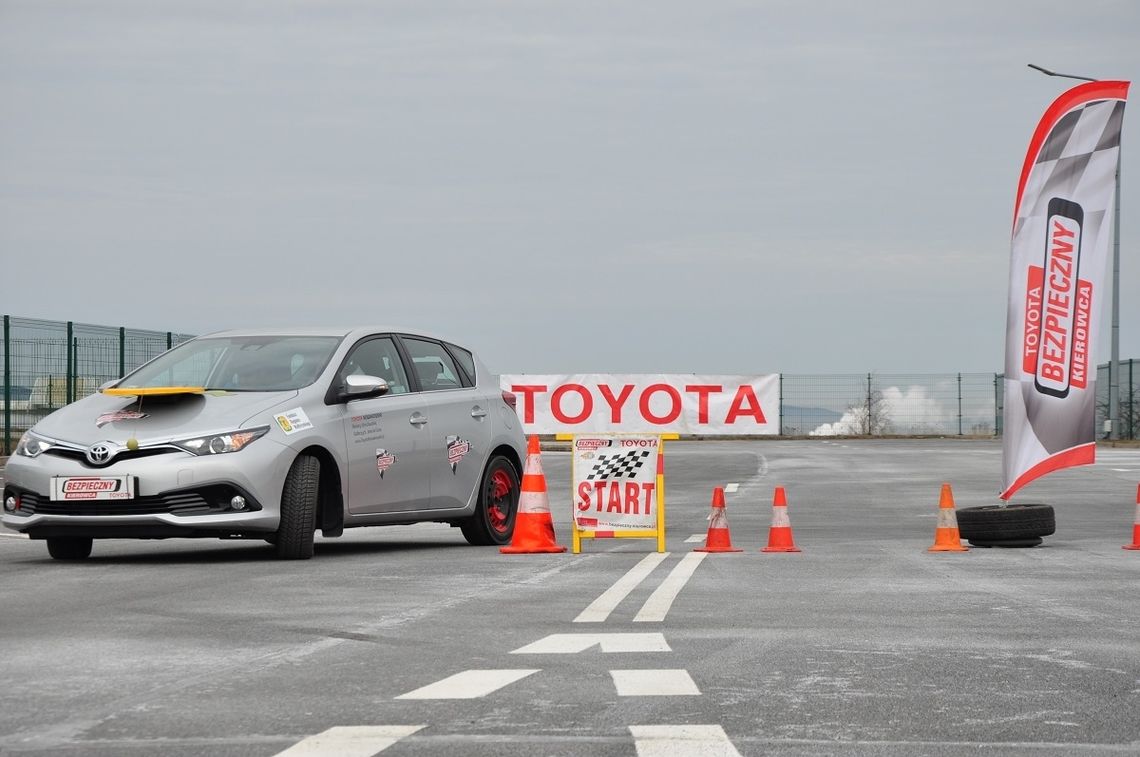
{"points": [[7, 388], [781, 430], [169, 340], [959, 404], [122, 351], [867, 426], [998, 430], [1131, 403], [68, 386]]}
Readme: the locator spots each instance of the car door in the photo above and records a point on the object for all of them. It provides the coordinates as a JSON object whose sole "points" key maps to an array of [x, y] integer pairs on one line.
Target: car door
{"points": [[387, 437], [458, 421]]}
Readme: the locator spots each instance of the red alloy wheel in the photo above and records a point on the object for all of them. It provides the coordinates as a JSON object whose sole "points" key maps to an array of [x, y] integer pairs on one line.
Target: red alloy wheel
{"points": [[500, 493]]}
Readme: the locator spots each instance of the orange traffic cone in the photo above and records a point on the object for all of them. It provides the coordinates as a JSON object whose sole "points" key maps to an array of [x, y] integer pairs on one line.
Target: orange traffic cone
{"points": [[780, 534], [1136, 524], [534, 528], [718, 539], [946, 536]]}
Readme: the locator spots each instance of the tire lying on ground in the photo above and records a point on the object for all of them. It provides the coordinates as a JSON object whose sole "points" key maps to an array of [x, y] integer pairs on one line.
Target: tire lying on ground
{"points": [[1006, 525]]}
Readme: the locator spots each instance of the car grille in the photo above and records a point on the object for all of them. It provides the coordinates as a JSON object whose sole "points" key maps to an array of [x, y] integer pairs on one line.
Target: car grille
{"points": [[207, 501], [80, 456]]}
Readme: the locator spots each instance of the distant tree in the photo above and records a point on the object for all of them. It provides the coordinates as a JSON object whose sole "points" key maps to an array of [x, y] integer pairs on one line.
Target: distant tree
{"points": [[871, 416]]}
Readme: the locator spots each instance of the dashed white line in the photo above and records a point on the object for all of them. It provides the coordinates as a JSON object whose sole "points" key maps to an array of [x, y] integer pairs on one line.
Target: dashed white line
{"points": [[657, 606], [682, 741], [470, 684], [350, 741], [731, 488], [654, 683], [601, 607], [572, 643], [696, 539]]}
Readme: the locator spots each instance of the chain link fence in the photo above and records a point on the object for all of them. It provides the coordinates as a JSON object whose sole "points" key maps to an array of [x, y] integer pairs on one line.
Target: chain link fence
{"points": [[48, 364]]}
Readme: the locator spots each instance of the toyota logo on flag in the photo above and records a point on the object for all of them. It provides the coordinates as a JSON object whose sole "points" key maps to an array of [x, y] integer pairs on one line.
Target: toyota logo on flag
{"points": [[99, 453]]}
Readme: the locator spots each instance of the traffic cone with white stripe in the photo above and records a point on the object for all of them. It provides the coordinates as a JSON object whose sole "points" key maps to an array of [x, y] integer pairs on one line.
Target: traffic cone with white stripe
{"points": [[946, 536], [534, 528], [718, 538], [780, 534], [1135, 524]]}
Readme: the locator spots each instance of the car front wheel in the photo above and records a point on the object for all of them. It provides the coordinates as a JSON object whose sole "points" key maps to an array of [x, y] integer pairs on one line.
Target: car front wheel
{"points": [[294, 538], [494, 519]]}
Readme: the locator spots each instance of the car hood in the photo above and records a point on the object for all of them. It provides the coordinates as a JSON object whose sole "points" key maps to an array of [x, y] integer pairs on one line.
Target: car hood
{"points": [[101, 416]]}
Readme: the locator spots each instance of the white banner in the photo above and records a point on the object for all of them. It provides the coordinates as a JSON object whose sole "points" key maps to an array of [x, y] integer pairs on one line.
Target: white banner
{"points": [[1058, 283], [615, 483], [601, 403]]}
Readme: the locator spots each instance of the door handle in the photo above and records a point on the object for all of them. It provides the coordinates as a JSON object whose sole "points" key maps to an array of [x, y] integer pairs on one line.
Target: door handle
{"points": [[417, 419], [478, 412]]}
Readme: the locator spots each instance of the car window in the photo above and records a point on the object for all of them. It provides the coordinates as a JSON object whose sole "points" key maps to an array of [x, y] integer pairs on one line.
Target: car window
{"points": [[466, 361], [434, 367], [378, 357]]}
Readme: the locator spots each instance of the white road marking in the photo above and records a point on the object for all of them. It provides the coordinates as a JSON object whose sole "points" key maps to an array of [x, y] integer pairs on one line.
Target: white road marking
{"points": [[682, 741], [696, 539], [573, 643], [470, 684], [1124, 470], [657, 606], [731, 488], [14, 536], [654, 683], [601, 607], [350, 741]]}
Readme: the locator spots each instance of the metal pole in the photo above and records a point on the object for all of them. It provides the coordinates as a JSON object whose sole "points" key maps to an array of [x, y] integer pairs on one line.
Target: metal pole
{"points": [[781, 429], [122, 351], [959, 404], [67, 385], [7, 388], [1114, 362], [997, 406]]}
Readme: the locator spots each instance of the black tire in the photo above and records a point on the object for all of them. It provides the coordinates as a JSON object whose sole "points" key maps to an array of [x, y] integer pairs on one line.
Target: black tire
{"points": [[494, 519], [69, 547], [294, 540], [994, 524], [1007, 543]]}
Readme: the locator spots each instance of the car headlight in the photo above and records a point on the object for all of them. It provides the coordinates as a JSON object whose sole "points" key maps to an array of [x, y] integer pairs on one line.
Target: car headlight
{"points": [[220, 444], [33, 445]]}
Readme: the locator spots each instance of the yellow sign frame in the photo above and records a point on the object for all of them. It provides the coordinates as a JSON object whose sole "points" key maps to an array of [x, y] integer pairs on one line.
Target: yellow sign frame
{"points": [[579, 534]]}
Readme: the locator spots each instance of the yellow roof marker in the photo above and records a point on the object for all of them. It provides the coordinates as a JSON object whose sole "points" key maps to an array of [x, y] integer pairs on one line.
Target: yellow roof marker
{"points": [[152, 391]]}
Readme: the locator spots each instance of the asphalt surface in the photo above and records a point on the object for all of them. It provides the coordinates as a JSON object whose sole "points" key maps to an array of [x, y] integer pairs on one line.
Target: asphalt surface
{"points": [[862, 644]]}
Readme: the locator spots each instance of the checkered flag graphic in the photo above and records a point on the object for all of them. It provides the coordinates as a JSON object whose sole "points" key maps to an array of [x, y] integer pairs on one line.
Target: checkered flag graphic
{"points": [[1081, 148], [620, 465]]}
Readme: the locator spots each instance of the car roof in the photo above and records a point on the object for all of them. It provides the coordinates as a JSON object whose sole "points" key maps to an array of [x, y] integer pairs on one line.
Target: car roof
{"points": [[353, 332]]}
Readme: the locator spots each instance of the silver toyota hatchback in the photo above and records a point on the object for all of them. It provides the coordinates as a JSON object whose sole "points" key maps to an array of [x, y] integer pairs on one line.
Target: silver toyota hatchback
{"points": [[273, 435]]}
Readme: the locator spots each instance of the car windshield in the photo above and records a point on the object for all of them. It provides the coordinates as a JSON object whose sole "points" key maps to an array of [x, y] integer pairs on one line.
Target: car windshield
{"points": [[239, 363]]}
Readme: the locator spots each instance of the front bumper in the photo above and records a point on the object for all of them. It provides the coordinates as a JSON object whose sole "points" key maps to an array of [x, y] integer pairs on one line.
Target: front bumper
{"points": [[176, 494]]}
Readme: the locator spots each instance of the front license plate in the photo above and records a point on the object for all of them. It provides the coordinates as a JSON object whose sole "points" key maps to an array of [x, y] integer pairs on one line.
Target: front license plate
{"points": [[72, 488]]}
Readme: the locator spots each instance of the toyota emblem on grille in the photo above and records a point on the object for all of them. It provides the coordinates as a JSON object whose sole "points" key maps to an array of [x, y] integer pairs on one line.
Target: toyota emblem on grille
{"points": [[99, 453]]}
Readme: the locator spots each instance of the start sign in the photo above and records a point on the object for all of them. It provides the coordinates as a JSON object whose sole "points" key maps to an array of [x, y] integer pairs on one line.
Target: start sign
{"points": [[618, 488]]}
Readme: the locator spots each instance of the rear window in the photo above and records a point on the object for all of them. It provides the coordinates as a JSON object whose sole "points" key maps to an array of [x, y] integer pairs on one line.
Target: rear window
{"points": [[466, 361]]}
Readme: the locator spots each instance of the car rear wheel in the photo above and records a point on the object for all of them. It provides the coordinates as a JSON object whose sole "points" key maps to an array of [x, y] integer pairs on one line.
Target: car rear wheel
{"points": [[294, 539], [69, 547], [1006, 526], [494, 518]]}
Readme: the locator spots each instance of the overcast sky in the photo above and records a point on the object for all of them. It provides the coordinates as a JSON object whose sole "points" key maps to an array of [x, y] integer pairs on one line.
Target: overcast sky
{"points": [[712, 187]]}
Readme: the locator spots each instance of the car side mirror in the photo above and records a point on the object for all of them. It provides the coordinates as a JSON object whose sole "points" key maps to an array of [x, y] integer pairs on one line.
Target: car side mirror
{"points": [[359, 386]]}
